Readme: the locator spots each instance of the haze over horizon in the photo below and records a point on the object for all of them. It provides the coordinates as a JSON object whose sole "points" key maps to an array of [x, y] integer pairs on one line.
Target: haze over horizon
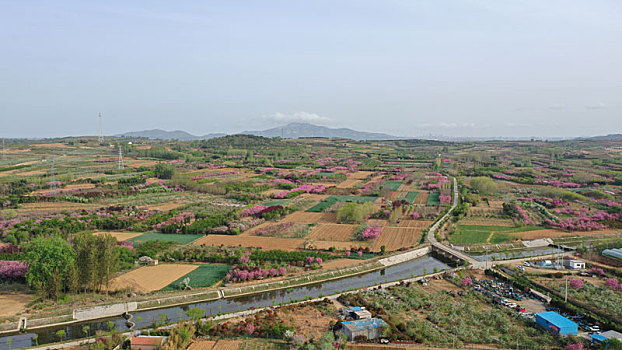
{"points": [[407, 68]]}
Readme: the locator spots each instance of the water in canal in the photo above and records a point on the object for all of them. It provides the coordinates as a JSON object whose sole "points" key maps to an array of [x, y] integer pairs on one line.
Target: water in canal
{"points": [[416, 267]]}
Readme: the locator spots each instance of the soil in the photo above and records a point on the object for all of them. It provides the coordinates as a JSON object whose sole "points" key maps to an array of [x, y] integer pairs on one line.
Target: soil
{"points": [[151, 278], [307, 320], [14, 303], [120, 236], [252, 241], [333, 232]]}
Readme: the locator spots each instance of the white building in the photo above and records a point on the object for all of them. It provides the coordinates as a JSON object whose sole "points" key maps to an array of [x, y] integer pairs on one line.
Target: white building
{"points": [[574, 264]]}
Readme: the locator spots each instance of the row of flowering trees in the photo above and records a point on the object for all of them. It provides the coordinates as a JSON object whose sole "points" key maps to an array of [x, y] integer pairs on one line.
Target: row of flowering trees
{"points": [[306, 188], [11, 270]]}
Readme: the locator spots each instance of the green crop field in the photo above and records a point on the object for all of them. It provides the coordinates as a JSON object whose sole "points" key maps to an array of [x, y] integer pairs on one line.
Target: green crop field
{"points": [[333, 199], [281, 202], [393, 185], [205, 275], [478, 234], [433, 199], [410, 197], [167, 237]]}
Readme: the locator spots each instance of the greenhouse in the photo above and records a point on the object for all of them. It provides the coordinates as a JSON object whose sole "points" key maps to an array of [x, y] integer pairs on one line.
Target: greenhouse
{"points": [[614, 253]]}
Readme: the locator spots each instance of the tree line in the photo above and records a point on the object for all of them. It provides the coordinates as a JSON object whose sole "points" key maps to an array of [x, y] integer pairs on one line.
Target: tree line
{"points": [[58, 267]]}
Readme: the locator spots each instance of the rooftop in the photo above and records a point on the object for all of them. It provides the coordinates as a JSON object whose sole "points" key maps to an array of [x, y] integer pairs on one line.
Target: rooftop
{"points": [[612, 335], [364, 324], [146, 340], [556, 319]]}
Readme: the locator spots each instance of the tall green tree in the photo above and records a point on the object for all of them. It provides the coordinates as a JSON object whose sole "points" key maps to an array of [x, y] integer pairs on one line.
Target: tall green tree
{"points": [[86, 254], [107, 259], [50, 260]]}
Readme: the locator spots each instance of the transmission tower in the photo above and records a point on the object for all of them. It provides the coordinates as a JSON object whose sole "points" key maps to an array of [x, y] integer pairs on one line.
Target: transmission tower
{"points": [[3, 150], [53, 177], [120, 157], [100, 137]]}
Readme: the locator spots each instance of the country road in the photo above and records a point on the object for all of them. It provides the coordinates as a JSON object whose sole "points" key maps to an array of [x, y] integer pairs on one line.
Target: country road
{"points": [[435, 243]]}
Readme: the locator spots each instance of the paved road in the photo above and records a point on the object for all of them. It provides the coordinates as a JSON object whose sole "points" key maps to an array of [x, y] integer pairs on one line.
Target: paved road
{"points": [[432, 239]]}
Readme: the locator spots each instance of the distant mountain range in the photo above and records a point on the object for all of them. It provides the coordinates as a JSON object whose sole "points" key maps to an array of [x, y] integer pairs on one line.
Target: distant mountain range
{"points": [[159, 134], [609, 137], [290, 131], [298, 130]]}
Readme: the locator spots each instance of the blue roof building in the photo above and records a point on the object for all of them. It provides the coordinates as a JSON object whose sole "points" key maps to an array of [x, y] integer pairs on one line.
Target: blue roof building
{"points": [[556, 323], [606, 336], [369, 328]]}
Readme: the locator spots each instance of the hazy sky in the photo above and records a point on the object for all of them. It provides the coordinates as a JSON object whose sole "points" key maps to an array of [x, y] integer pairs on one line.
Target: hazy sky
{"points": [[468, 68]]}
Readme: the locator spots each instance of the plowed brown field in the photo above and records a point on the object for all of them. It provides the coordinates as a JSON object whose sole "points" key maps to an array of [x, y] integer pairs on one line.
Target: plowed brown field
{"points": [[332, 232], [394, 238], [251, 241], [150, 278], [350, 183], [421, 198], [310, 218], [120, 236], [325, 245], [360, 175]]}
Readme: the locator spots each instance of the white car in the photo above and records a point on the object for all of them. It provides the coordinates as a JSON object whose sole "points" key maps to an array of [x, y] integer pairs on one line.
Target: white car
{"points": [[594, 329]]}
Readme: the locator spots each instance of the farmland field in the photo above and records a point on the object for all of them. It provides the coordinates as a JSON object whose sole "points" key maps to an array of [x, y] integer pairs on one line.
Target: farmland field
{"points": [[203, 276], [433, 199], [410, 197], [333, 199], [150, 278], [477, 234], [349, 183], [120, 236], [167, 237], [332, 232], [393, 185], [394, 238], [251, 241], [210, 203], [421, 198]]}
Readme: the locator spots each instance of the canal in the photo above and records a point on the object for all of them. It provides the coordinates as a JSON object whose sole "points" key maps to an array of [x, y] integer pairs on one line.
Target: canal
{"points": [[146, 319]]}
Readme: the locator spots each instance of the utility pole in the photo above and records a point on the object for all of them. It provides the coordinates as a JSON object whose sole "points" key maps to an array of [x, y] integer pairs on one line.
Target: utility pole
{"points": [[53, 177], [100, 137], [566, 296], [120, 157], [3, 150]]}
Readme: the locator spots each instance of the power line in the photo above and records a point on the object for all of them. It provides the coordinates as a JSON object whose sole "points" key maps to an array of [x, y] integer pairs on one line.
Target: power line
{"points": [[53, 177], [100, 137], [120, 157]]}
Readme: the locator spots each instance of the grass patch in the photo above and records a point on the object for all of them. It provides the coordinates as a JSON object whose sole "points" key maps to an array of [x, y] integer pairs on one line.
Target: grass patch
{"points": [[205, 275], [433, 199], [500, 238], [393, 185], [477, 234], [166, 237]]}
